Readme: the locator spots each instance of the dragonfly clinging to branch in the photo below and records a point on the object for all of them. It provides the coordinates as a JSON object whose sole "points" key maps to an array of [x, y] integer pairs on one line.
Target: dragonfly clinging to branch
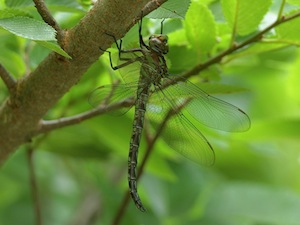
{"points": [[153, 96]]}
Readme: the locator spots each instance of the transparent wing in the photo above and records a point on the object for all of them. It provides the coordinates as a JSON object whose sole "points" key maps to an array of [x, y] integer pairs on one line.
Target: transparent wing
{"points": [[110, 94], [181, 135], [210, 111], [131, 72]]}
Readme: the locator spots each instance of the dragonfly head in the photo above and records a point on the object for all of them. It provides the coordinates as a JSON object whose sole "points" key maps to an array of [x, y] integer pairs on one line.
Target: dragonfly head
{"points": [[159, 43]]}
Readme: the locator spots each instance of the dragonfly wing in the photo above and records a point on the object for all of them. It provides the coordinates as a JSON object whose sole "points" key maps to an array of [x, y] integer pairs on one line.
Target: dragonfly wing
{"points": [[131, 72], [181, 135], [110, 94], [211, 111]]}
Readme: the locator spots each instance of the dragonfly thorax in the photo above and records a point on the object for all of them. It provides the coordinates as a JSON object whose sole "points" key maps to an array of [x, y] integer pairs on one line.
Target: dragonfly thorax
{"points": [[159, 43]]}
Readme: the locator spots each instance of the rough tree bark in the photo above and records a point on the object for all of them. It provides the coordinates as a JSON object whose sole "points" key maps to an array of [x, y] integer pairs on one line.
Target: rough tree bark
{"points": [[37, 92]]}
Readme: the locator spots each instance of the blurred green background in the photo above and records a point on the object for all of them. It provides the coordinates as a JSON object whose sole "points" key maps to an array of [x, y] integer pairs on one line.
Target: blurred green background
{"points": [[82, 169]]}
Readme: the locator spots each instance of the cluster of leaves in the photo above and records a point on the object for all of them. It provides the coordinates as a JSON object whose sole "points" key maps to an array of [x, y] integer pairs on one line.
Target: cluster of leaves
{"points": [[251, 168]]}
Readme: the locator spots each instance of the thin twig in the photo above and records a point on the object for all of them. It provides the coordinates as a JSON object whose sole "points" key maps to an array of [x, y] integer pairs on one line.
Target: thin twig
{"points": [[151, 142], [8, 79], [281, 9], [47, 126], [152, 5], [34, 187], [49, 19], [234, 27]]}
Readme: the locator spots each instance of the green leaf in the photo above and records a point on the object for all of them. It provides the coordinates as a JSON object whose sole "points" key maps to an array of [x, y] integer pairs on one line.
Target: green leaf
{"points": [[9, 59], [64, 142], [250, 203], [19, 3], [177, 64], [244, 16], [289, 31], [218, 88], [2, 4], [11, 12], [256, 49], [200, 27], [293, 2], [160, 168], [54, 47], [11, 56], [205, 2], [28, 28], [66, 8], [171, 9], [280, 129]]}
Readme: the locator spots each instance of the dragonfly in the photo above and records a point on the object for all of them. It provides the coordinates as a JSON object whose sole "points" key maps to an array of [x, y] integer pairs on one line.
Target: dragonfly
{"points": [[152, 95]]}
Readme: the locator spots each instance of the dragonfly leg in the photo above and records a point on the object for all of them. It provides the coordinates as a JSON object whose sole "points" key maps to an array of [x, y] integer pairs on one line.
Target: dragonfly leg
{"points": [[120, 50], [161, 26], [110, 59], [119, 46], [140, 23], [129, 61]]}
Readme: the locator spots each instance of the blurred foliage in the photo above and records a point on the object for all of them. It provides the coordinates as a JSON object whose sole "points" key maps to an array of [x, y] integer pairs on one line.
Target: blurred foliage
{"points": [[255, 179]]}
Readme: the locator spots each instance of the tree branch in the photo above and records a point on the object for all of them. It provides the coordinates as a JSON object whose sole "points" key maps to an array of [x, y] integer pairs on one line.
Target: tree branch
{"points": [[36, 93], [152, 5], [49, 19], [47, 126], [8, 80]]}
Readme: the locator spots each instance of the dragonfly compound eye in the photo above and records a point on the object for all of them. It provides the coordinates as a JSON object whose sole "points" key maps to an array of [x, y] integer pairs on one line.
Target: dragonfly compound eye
{"points": [[159, 43]]}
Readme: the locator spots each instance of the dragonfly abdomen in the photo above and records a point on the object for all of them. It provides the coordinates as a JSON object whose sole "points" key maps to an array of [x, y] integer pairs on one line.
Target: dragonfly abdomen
{"points": [[138, 124]]}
